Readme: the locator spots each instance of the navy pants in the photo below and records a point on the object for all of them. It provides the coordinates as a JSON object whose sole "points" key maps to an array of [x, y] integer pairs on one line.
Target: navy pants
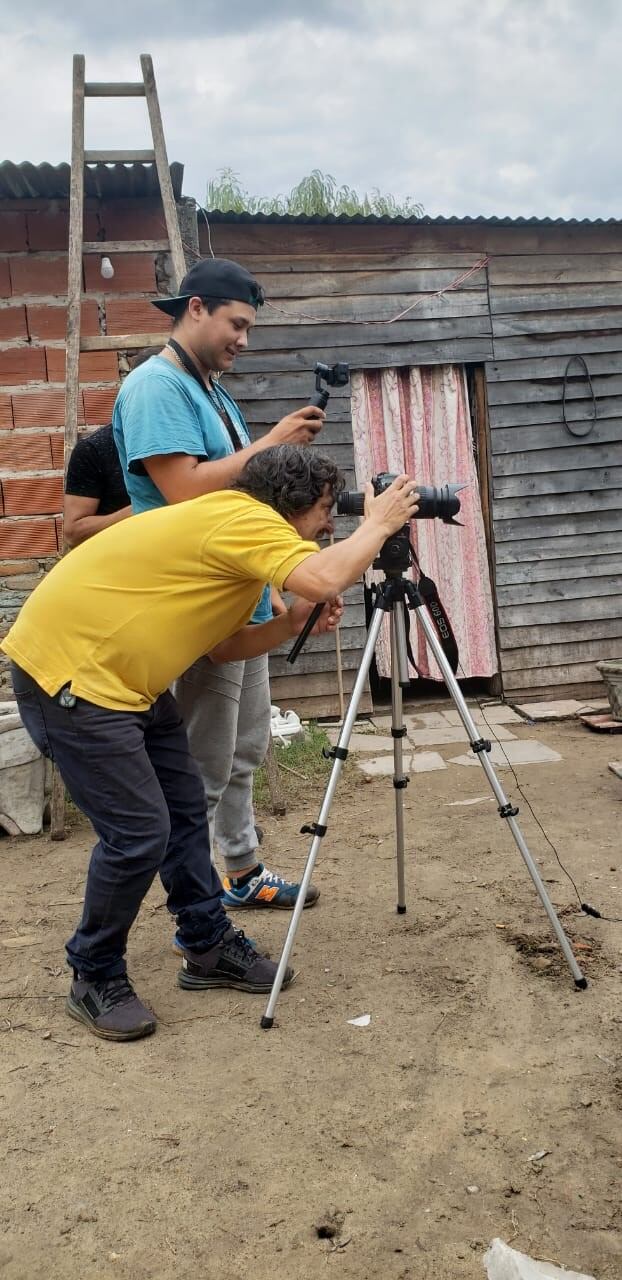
{"points": [[132, 774]]}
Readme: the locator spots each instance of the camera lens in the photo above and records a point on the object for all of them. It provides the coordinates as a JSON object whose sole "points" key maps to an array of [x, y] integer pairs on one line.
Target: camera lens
{"points": [[351, 503]]}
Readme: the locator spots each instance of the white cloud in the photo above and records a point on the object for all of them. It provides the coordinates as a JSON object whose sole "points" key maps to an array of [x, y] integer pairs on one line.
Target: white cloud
{"points": [[499, 108], [518, 174]]}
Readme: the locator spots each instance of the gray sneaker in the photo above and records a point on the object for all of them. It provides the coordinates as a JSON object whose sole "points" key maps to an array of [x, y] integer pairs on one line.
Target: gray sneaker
{"points": [[110, 1008], [233, 962]]}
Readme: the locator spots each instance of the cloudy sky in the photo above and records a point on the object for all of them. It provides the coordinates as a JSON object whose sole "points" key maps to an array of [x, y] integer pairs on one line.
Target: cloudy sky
{"points": [[468, 106]]}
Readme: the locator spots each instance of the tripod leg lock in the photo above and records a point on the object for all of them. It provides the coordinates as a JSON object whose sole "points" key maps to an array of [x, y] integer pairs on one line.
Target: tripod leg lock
{"points": [[400, 783], [335, 753], [313, 829], [399, 733], [508, 810], [482, 744]]}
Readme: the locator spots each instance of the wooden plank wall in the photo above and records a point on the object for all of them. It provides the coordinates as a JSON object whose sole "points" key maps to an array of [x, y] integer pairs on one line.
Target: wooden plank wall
{"points": [[546, 293], [333, 297], [557, 498]]}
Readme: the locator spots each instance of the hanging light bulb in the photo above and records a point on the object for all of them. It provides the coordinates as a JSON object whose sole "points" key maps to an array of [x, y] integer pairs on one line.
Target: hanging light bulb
{"points": [[107, 269]]}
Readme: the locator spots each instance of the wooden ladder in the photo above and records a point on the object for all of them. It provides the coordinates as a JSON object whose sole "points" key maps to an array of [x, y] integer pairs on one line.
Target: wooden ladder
{"points": [[78, 247]]}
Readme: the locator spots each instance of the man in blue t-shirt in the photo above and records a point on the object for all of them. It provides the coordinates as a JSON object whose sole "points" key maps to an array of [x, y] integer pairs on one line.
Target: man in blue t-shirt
{"points": [[180, 434]]}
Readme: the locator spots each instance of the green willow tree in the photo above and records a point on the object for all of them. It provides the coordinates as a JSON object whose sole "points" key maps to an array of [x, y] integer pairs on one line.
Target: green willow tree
{"points": [[318, 194]]}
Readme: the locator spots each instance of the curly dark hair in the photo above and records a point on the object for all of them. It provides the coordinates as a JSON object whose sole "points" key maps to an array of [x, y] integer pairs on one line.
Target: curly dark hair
{"points": [[290, 478]]}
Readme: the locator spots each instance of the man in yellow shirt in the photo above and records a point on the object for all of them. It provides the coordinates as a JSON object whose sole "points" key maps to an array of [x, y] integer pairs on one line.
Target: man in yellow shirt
{"points": [[94, 651]]}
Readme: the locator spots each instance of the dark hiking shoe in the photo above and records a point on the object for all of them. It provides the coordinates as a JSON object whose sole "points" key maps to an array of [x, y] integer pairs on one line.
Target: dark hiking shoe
{"points": [[110, 1009], [179, 948], [233, 962]]}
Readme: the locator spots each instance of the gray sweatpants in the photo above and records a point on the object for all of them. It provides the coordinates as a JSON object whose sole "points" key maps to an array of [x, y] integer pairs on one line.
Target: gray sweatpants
{"points": [[226, 709]]}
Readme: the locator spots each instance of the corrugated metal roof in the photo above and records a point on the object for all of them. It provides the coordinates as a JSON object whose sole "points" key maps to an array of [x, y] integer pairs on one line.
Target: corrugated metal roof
{"points": [[51, 181], [344, 219]]}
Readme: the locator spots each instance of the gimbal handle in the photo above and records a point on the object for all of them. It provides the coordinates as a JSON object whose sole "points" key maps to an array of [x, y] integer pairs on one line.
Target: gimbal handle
{"points": [[308, 627]]}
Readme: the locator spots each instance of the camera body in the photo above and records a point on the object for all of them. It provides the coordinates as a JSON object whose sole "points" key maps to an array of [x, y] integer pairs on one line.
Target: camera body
{"points": [[395, 554]]}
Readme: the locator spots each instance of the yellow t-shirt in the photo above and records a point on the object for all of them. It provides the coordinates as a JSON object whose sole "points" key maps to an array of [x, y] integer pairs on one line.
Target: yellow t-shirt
{"points": [[122, 615]]}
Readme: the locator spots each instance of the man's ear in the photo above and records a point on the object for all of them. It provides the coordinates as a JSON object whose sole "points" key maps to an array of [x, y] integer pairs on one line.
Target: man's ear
{"points": [[195, 308]]}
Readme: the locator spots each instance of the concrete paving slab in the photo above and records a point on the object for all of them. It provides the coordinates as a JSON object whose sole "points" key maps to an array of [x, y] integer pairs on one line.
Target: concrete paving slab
{"points": [[427, 720], [417, 762], [490, 715], [374, 742], [616, 767], [521, 751], [359, 731], [562, 709], [456, 733], [379, 766], [382, 723], [426, 762]]}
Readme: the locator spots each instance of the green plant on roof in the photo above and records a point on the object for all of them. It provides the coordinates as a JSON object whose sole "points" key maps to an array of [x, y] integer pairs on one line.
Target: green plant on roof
{"points": [[316, 194]]}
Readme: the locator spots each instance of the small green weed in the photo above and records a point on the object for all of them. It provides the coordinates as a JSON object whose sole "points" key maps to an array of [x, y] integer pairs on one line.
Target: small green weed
{"points": [[301, 766]]}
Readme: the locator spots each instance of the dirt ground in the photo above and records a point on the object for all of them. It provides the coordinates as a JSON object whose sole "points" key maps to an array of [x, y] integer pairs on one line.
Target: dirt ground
{"points": [[398, 1150]]}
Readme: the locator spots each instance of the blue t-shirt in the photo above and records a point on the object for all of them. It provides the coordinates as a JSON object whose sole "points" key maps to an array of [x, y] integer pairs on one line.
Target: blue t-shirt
{"points": [[161, 410]]}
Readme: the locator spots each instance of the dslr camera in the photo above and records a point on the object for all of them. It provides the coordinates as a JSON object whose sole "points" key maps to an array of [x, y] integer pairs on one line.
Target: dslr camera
{"points": [[434, 504]]}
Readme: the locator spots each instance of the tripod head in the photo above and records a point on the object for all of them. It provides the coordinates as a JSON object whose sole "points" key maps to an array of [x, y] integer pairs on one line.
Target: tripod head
{"points": [[396, 554]]}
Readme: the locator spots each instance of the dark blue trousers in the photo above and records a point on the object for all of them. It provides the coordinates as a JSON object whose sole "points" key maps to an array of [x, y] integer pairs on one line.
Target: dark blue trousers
{"points": [[132, 774]]}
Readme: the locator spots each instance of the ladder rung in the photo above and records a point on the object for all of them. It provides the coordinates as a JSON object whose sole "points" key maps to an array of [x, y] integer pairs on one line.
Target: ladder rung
{"points": [[114, 341], [125, 246], [107, 89], [119, 157]]}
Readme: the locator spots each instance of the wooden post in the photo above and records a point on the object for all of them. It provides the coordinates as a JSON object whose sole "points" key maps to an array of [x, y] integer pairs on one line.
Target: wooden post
{"points": [[274, 783], [164, 173], [72, 368], [58, 830]]}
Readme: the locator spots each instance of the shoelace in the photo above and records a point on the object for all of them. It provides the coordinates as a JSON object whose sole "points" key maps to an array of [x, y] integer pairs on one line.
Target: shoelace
{"points": [[270, 877], [241, 943], [115, 991]]}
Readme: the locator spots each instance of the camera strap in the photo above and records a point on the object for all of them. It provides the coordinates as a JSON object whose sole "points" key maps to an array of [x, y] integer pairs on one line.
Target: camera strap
{"points": [[213, 395], [428, 590]]}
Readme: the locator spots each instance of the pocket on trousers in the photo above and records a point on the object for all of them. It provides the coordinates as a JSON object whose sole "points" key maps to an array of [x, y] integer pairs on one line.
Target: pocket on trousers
{"points": [[33, 720]]}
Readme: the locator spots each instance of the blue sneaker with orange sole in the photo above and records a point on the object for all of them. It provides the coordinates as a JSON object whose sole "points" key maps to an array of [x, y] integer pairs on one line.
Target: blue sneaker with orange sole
{"points": [[266, 889]]}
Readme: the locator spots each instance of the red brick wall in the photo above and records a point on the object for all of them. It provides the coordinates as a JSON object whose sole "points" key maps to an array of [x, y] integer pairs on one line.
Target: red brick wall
{"points": [[33, 298]]}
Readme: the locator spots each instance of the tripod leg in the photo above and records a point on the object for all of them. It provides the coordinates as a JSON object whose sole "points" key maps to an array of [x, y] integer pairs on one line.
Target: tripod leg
{"points": [[506, 810], [318, 829], [399, 679]]}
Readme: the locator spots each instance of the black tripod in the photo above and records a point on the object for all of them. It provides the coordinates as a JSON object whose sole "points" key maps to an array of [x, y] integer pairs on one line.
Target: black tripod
{"points": [[395, 595]]}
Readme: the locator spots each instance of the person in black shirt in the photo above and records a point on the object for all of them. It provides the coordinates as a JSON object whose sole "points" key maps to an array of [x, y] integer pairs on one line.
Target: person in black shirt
{"points": [[95, 493]]}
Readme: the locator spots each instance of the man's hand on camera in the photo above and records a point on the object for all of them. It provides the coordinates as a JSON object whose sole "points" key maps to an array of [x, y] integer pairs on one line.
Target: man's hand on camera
{"points": [[394, 507], [300, 427], [328, 620]]}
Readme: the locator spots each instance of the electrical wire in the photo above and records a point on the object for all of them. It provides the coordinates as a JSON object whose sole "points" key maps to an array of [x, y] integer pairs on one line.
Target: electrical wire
{"points": [[586, 907], [303, 315], [587, 426]]}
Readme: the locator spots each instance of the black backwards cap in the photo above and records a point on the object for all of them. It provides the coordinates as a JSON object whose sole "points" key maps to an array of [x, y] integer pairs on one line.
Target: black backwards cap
{"points": [[215, 278]]}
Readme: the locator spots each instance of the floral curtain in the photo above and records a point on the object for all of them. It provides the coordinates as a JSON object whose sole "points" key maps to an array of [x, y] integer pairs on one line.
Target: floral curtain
{"points": [[417, 421]]}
